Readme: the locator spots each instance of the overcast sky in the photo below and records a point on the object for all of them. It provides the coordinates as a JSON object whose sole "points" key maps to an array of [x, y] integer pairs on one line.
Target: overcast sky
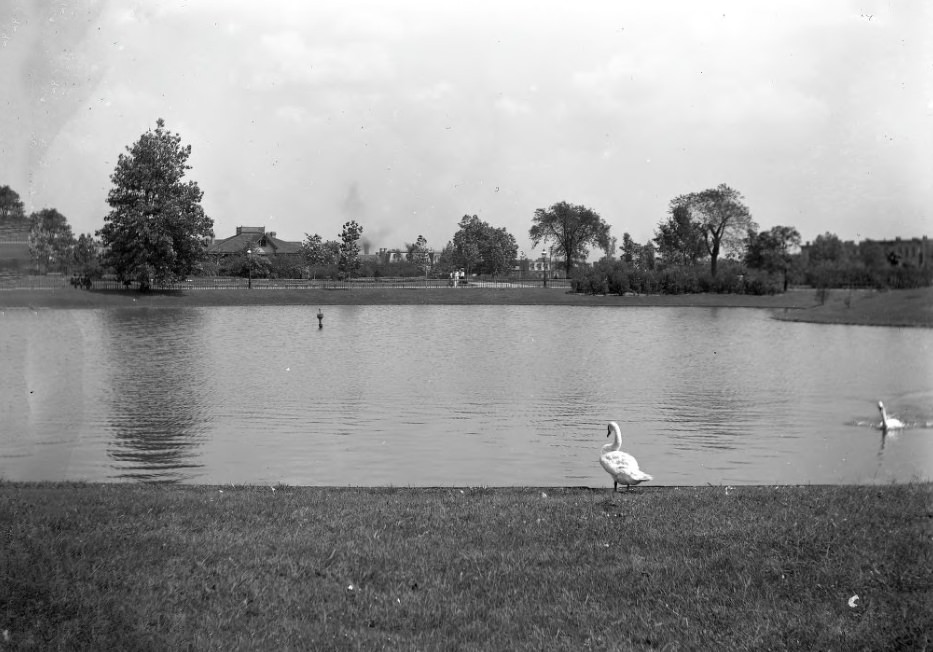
{"points": [[406, 115]]}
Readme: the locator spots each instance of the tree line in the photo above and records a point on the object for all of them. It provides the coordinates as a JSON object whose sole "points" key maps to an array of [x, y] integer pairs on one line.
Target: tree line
{"points": [[52, 245], [157, 232]]}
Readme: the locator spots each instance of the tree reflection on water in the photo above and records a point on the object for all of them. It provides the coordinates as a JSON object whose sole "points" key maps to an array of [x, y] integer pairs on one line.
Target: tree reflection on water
{"points": [[156, 409]]}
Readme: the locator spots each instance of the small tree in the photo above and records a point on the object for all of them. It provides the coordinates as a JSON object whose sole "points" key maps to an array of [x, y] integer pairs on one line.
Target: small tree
{"points": [[680, 238], [612, 246], [418, 254], [446, 261], [827, 248], [156, 228], [772, 250], [572, 229], [318, 254], [50, 239], [12, 213], [84, 256], [349, 261], [636, 256], [631, 250]]}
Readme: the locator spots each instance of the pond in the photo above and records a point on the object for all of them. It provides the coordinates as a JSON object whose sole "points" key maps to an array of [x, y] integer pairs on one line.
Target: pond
{"points": [[457, 395]]}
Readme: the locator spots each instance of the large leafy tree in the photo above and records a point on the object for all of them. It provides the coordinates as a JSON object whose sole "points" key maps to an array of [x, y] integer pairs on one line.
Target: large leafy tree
{"points": [[50, 239], [772, 250], [348, 263], [723, 219], [680, 238], [572, 229], [467, 241], [156, 228], [480, 247]]}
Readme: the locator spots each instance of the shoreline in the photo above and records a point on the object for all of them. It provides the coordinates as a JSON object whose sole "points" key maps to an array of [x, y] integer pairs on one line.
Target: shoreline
{"points": [[895, 308]]}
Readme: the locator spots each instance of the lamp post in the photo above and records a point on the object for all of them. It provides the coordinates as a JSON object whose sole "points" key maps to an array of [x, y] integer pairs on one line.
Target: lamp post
{"points": [[521, 269], [249, 268], [544, 262]]}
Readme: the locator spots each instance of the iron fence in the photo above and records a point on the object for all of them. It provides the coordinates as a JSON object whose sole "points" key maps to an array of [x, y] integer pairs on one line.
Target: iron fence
{"points": [[57, 281]]}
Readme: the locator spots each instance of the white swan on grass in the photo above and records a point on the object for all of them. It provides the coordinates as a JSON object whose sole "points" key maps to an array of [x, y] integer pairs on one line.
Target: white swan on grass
{"points": [[621, 466], [888, 423]]}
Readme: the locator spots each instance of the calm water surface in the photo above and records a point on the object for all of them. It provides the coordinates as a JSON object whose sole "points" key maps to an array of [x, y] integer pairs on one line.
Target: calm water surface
{"points": [[457, 395]]}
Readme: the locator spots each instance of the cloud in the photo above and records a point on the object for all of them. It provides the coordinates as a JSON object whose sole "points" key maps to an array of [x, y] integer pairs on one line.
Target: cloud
{"points": [[428, 107], [287, 58], [512, 107]]}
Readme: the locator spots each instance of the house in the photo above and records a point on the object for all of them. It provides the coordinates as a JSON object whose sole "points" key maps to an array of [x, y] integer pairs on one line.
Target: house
{"points": [[255, 239], [913, 252], [388, 256]]}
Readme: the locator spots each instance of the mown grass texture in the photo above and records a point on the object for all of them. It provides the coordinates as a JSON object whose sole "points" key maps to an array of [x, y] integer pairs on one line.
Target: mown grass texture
{"points": [[115, 566], [69, 298], [908, 308]]}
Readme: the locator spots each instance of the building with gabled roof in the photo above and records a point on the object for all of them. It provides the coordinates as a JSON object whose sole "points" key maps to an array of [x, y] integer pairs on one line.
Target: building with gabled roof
{"points": [[256, 240]]}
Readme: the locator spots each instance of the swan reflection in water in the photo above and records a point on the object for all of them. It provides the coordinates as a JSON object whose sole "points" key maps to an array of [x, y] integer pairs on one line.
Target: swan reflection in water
{"points": [[884, 438]]}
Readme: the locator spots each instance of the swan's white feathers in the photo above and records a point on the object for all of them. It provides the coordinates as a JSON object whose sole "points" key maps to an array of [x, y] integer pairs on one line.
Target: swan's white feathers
{"points": [[621, 466], [888, 423]]}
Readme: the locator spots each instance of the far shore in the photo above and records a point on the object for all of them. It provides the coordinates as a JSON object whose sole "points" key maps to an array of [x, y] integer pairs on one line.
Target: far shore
{"points": [[861, 307]]}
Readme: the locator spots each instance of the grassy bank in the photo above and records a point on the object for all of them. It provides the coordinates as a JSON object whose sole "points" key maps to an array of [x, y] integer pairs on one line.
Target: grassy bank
{"points": [[151, 567], [865, 307], [870, 308], [69, 298]]}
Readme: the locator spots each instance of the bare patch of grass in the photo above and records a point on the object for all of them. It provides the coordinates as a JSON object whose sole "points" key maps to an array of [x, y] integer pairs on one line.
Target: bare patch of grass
{"points": [[153, 567]]}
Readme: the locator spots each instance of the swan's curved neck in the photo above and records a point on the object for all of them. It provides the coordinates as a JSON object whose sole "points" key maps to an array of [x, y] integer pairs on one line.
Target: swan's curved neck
{"points": [[616, 439]]}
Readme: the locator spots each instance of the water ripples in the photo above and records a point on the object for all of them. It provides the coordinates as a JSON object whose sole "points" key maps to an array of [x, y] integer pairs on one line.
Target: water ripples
{"points": [[422, 395]]}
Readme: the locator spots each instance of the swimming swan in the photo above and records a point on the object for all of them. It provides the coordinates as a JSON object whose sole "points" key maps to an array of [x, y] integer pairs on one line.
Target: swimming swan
{"points": [[888, 423], [621, 466]]}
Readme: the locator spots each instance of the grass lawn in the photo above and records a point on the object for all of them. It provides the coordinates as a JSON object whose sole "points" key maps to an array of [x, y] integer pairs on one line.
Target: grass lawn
{"points": [[865, 307], [70, 298], [132, 566], [870, 308]]}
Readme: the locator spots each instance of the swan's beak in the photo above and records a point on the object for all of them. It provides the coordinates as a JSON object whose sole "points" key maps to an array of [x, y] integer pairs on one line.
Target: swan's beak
{"points": [[608, 431]]}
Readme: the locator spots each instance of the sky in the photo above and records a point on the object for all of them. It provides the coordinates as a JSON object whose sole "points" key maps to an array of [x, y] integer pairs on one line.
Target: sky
{"points": [[407, 115]]}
